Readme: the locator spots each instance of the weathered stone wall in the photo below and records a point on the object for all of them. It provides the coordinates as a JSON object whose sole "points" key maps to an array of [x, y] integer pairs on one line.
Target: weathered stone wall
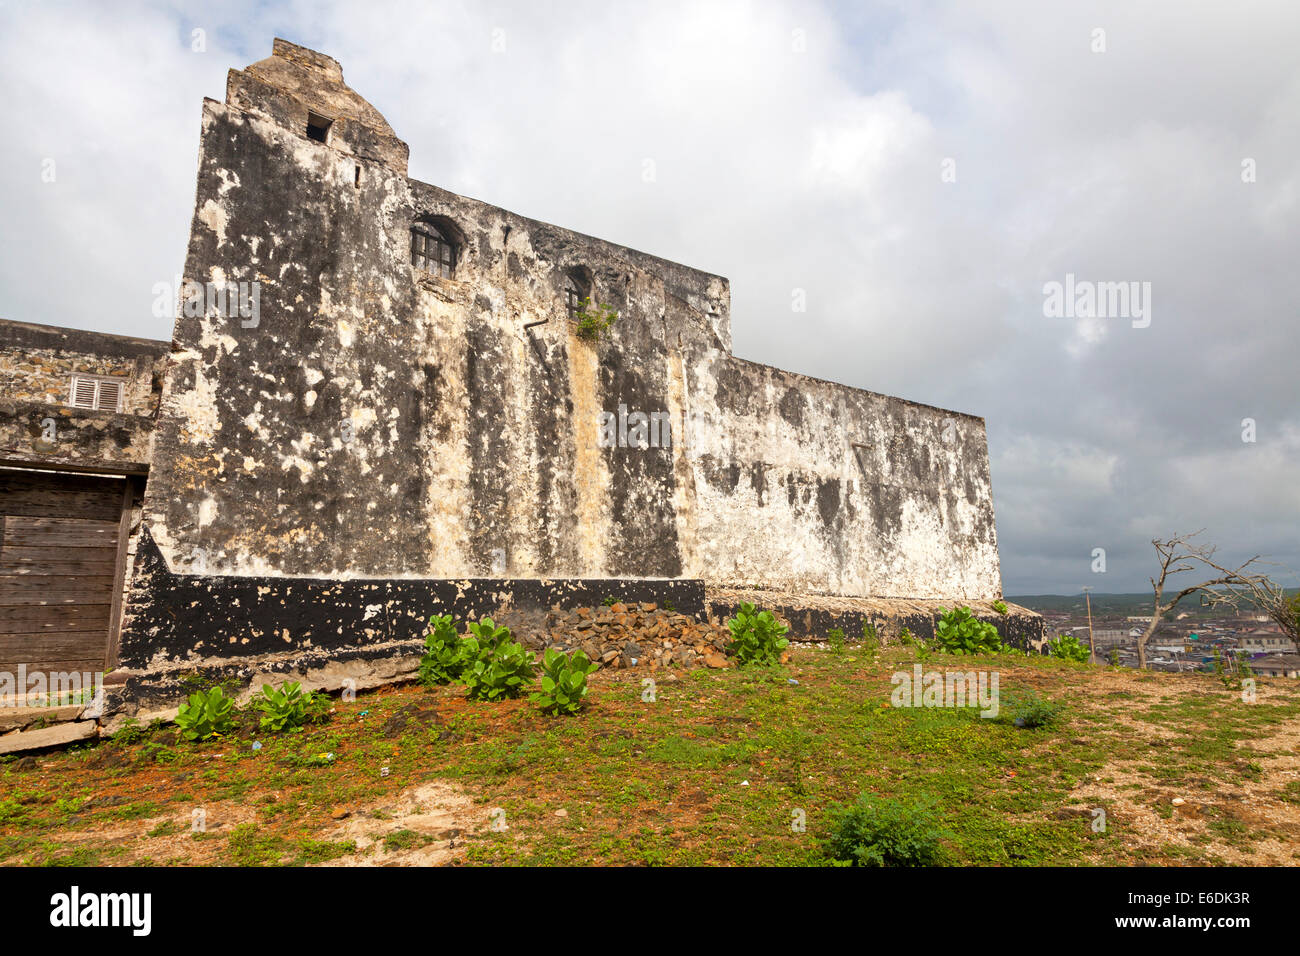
{"points": [[808, 486], [381, 421], [37, 363], [375, 421]]}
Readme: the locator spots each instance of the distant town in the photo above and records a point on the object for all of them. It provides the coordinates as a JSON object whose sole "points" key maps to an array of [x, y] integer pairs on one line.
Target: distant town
{"points": [[1191, 638]]}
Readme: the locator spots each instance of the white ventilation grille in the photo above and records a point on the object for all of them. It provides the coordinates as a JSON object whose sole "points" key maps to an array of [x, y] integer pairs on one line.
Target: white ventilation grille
{"points": [[110, 396], [104, 394], [83, 392]]}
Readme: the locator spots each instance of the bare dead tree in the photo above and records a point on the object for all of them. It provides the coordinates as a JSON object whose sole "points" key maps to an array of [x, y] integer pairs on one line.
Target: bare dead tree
{"points": [[1261, 592], [1179, 554]]}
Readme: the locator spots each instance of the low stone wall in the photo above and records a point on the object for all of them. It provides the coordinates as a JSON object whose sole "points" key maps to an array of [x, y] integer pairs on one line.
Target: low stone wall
{"points": [[811, 617], [56, 436]]}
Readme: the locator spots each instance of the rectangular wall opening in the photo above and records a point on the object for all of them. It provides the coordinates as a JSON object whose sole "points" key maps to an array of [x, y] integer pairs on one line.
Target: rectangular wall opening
{"points": [[318, 127]]}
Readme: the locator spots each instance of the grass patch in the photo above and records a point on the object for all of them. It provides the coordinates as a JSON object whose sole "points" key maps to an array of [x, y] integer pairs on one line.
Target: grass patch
{"points": [[735, 766]]}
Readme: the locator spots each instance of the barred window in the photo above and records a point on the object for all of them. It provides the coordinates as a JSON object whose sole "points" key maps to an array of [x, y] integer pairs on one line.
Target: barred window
{"points": [[577, 290], [432, 251], [91, 391], [572, 297]]}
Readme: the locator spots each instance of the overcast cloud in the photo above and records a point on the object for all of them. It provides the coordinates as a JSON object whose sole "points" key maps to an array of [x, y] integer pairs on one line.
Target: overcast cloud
{"points": [[796, 146]]}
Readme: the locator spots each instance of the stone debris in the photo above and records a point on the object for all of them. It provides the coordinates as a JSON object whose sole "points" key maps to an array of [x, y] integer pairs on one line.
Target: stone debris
{"points": [[622, 636], [55, 736], [27, 718]]}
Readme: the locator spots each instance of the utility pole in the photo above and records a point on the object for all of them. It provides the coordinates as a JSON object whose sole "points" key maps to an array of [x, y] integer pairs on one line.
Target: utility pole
{"points": [[1092, 648]]}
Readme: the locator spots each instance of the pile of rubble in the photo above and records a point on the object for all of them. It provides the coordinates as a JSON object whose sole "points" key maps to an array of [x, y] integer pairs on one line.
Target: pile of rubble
{"points": [[633, 635]]}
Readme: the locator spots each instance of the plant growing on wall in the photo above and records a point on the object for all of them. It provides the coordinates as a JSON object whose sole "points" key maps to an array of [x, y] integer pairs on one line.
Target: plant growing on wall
{"points": [[593, 320], [756, 636], [564, 681], [960, 632], [206, 715], [444, 652], [497, 667]]}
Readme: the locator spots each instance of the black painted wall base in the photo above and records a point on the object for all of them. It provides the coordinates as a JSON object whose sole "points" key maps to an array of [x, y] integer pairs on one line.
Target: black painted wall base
{"points": [[173, 618], [230, 629]]}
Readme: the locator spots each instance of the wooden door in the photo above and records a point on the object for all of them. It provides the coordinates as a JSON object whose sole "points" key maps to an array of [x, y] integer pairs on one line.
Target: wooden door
{"points": [[61, 557]]}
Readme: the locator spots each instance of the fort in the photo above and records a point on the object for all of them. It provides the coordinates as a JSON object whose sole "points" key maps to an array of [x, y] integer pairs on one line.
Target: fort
{"points": [[413, 423]]}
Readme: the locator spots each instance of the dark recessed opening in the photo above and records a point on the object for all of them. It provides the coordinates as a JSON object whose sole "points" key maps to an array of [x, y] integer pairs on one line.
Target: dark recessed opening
{"points": [[357, 182], [318, 127]]}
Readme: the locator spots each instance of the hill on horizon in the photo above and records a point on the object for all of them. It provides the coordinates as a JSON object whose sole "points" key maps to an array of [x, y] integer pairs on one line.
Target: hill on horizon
{"points": [[1126, 605]]}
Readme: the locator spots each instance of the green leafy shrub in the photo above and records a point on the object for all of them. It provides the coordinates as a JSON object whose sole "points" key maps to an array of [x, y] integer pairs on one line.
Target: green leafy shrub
{"points": [[756, 636], [871, 637], [1068, 648], [488, 633], [206, 715], [444, 652], [878, 831], [564, 681], [497, 667], [1000, 607], [593, 320], [835, 637], [908, 639], [960, 632], [289, 708], [1030, 711]]}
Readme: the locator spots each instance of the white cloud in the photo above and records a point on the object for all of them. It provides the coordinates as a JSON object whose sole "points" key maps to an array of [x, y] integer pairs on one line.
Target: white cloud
{"points": [[780, 168]]}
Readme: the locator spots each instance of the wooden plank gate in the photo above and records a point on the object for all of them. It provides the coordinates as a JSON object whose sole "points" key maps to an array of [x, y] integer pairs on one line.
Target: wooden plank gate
{"points": [[63, 542]]}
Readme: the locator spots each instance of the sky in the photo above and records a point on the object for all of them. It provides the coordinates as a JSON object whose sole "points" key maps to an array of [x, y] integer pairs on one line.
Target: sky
{"points": [[919, 173]]}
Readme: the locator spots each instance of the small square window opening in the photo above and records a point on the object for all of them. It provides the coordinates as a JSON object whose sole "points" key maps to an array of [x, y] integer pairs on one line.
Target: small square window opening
{"points": [[318, 127]]}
